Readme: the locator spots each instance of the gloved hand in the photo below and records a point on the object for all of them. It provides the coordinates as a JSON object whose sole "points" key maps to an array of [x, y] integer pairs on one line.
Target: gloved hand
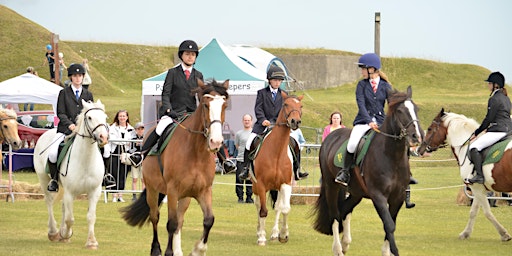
{"points": [[172, 114]]}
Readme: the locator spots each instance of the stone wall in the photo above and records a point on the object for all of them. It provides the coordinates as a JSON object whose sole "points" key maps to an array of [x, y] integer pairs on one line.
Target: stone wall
{"points": [[322, 71]]}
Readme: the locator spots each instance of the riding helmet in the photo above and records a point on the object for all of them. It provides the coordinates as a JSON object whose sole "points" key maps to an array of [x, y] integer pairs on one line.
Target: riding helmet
{"points": [[369, 60], [497, 78], [188, 45], [76, 69], [275, 72]]}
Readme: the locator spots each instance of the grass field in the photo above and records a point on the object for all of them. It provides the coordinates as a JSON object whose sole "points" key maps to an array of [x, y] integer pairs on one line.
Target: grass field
{"points": [[431, 228]]}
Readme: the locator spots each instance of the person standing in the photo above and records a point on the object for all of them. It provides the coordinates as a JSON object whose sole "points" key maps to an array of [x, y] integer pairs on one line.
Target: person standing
{"points": [[120, 129], [87, 76], [269, 102], [50, 59], [335, 122], [62, 66], [69, 106], [26, 107], [241, 137], [371, 96], [136, 149], [178, 97], [497, 123]]}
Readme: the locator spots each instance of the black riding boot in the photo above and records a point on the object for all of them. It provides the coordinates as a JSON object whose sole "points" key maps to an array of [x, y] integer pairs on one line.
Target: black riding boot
{"points": [[476, 159], [53, 185], [245, 166], [343, 176], [149, 143], [227, 164], [408, 203], [296, 168]]}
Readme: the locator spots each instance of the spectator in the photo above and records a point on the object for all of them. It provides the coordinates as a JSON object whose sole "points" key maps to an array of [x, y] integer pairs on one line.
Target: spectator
{"points": [[119, 129], [335, 122], [32, 71], [87, 77], [50, 60], [240, 142], [136, 149], [62, 66]]}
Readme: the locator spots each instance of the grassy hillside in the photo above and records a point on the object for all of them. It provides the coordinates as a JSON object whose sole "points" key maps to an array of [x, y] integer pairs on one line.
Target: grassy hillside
{"points": [[118, 69]]}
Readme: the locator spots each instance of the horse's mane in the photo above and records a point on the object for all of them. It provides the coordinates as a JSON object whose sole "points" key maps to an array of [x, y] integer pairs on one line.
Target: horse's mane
{"points": [[394, 99], [79, 119], [8, 112], [212, 86], [458, 124]]}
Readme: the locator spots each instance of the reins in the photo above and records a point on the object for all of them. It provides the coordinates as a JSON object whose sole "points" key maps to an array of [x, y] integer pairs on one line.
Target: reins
{"points": [[403, 131], [90, 130]]}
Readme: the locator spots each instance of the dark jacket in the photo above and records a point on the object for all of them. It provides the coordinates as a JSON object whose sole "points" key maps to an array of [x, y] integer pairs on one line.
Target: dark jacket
{"points": [[266, 109], [68, 108], [177, 92], [371, 104], [497, 118]]}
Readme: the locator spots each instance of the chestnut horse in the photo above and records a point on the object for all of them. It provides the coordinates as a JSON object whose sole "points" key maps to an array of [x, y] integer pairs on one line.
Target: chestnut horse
{"points": [[183, 171], [273, 170], [9, 128], [382, 176], [456, 130]]}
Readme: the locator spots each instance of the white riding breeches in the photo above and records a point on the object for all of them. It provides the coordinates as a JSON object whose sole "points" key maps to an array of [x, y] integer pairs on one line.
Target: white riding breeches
{"points": [[355, 136], [249, 140], [53, 150], [162, 124], [486, 139]]}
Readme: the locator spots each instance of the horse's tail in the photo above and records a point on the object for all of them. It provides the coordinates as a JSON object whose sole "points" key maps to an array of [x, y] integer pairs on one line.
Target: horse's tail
{"points": [[322, 218], [137, 213], [273, 197]]}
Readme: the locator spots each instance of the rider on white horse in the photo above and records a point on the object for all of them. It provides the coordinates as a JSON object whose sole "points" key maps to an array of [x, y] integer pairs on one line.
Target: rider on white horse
{"points": [[69, 106]]}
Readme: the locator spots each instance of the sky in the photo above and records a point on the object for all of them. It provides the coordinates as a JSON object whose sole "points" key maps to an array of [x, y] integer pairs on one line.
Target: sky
{"points": [[455, 31]]}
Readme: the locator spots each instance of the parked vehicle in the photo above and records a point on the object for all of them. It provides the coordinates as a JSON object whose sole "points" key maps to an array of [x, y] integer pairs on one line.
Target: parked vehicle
{"points": [[32, 124]]}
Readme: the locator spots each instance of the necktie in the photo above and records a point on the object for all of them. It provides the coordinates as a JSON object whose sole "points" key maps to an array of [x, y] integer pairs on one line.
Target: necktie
{"points": [[77, 94], [374, 85], [274, 96], [187, 74]]}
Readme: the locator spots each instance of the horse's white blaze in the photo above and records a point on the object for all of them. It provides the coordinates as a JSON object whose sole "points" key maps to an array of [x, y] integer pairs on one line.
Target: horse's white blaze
{"points": [[216, 138], [408, 104]]}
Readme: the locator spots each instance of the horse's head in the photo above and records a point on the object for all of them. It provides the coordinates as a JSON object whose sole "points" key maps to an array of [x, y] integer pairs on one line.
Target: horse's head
{"points": [[9, 128], [436, 135], [404, 112], [92, 122], [292, 110], [213, 101]]}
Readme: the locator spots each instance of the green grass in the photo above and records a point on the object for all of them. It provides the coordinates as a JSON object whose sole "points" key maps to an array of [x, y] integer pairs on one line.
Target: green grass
{"points": [[431, 228]]}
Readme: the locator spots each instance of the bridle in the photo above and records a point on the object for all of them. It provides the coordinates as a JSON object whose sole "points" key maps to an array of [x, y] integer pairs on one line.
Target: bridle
{"points": [[1, 121], [287, 115], [206, 126], [429, 148], [90, 130], [403, 130]]}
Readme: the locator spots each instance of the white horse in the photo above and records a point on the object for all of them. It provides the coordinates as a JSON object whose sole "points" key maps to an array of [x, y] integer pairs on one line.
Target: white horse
{"points": [[455, 130], [81, 171]]}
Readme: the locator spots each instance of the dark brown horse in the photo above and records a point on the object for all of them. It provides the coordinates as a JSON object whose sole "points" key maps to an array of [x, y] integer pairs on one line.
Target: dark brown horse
{"points": [[382, 176], [455, 130], [273, 170], [183, 171]]}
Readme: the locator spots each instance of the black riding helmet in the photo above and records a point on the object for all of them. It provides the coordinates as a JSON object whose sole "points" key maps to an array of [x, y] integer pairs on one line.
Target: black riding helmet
{"points": [[275, 72], [76, 69], [496, 78], [188, 45]]}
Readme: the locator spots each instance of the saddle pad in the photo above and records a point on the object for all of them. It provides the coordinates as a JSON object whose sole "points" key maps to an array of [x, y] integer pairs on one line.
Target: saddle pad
{"points": [[495, 153], [157, 151], [66, 145], [361, 152]]}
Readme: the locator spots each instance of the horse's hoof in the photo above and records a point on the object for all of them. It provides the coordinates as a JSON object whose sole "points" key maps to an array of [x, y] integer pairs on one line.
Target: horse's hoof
{"points": [[506, 237], [262, 243], [273, 238], [92, 247], [463, 236], [54, 237], [283, 240], [65, 240]]}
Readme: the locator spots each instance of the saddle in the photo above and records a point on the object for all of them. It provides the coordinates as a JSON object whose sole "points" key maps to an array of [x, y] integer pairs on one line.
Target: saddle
{"points": [[361, 150], [165, 137], [61, 152], [494, 153]]}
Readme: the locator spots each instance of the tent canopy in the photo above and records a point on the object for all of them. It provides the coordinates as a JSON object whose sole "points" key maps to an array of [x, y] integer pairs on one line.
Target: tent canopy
{"points": [[28, 88]]}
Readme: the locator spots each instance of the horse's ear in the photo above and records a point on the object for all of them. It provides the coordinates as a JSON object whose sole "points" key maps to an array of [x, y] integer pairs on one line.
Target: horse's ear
{"points": [[200, 83], [409, 91], [300, 97], [442, 112], [284, 95], [226, 84]]}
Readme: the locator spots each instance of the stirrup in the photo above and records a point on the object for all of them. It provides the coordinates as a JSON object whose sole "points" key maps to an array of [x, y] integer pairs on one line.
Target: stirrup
{"points": [[110, 181], [53, 186]]}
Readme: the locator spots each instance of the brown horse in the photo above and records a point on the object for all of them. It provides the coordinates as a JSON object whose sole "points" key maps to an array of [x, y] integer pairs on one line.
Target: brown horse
{"points": [[456, 130], [273, 170], [9, 128], [382, 176], [184, 170]]}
